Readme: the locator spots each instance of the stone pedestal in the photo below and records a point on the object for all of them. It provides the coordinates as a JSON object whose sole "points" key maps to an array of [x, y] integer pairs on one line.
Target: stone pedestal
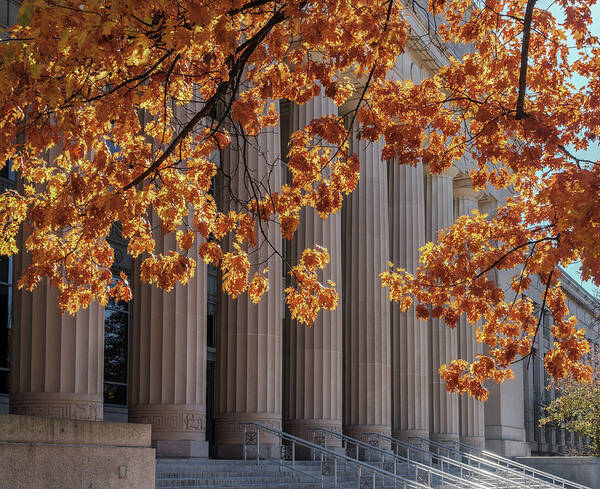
{"points": [[45, 453], [313, 355], [249, 340], [366, 308], [167, 385], [410, 392], [472, 424], [57, 359], [444, 424]]}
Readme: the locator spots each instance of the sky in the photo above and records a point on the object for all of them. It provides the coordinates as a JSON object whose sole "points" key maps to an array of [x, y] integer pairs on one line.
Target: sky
{"points": [[593, 153]]}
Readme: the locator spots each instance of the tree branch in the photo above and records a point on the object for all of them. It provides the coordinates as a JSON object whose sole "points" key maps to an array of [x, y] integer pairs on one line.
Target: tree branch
{"points": [[222, 89], [524, 59]]}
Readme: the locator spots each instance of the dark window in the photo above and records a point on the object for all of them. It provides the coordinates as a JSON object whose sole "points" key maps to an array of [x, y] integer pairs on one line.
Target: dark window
{"points": [[211, 298], [6, 271], [9, 12], [211, 340], [116, 326], [116, 330], [6, 172], [5, 320]]}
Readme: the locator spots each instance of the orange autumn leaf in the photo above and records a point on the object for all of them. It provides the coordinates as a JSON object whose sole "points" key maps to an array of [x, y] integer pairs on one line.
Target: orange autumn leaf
{"points": [[112, 111]]}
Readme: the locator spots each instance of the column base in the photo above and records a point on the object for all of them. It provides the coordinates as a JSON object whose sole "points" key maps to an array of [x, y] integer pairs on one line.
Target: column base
{"points": [[360, 432], [67, 405], [302, 428], [229, 435], [474, 441], [411, 436], [444, 437], [416, 438], [236, 452], [180, 448]]}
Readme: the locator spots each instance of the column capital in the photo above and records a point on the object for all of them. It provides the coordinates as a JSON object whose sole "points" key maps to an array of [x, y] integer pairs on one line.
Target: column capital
{"points": [[463, 187], [450, 172]]}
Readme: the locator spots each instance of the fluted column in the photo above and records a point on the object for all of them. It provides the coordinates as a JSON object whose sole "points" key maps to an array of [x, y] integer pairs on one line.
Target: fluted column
{"points": [[249, 340], [167, 386], [57, 359], [472, 424], [313, 355], [366, 308], [444, 414], [410, 381]]}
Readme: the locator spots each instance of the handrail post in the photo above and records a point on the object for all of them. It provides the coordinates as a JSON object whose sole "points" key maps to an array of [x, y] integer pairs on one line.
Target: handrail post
{"points": [[257, 446], [321, 470], [244, 447], [335, 472], [294, 454], [359, 475]]}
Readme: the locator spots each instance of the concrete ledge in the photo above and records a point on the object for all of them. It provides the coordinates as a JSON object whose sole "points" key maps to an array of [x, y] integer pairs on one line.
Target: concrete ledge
{"points": [[30, 466], [181, 448], [507, 448], [49, 453], [36, 429], [582, 470]]}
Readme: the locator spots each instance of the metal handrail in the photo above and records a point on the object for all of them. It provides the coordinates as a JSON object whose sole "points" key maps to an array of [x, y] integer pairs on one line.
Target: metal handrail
{"points": [[366, 473], [511, 465], [509, 473], [445, 477], [562, 482], [480, 472]]}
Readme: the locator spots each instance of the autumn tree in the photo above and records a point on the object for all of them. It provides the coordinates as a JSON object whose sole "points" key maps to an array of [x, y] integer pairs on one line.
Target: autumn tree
{"points": [[577, 406], [112, 110]]}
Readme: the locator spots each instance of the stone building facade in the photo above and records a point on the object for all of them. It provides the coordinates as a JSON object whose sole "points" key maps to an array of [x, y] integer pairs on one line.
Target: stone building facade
{"points": [[193, 363]]}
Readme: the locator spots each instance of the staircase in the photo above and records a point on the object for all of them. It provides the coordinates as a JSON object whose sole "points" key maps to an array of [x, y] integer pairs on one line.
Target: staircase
{"points": [[404, 466], [245, 474], [230, 474]]}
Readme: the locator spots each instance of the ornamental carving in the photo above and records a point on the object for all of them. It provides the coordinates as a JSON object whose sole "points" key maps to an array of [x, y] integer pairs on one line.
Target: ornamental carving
{"points": [[84, 410], [171, 421]]}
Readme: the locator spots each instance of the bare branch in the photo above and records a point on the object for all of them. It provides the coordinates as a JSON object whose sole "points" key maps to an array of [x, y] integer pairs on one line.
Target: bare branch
{"points": [[223, 87], [524, 59]]}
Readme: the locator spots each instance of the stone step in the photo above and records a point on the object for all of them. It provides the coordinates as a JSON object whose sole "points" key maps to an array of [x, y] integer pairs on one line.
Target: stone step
{"points": [[237, 485], [261, 482], [232, 474]]}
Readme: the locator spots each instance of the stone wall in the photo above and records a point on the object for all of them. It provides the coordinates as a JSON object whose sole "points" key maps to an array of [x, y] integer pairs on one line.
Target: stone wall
{"points": [[49, 453], [583, 470]]}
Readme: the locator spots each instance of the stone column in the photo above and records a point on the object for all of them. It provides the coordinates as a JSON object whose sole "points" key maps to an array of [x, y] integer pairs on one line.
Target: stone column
{"points": [[313, 355], [410, 380], [472, 423], [444, 411], [504, 413], [366, 308], [167, 358], [249, 338], [57, 359]]}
